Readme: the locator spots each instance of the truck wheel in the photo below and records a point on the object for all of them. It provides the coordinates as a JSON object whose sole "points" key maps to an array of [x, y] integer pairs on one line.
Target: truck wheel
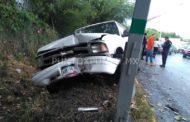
{"points": [[111, 79], [184, 56], [53, 87], [117, 74]]}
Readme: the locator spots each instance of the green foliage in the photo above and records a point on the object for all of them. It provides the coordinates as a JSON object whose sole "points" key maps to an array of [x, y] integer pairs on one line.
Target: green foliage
{"points": [[63, 15], [150, 31], [3, 69], [19, 56], [21, 32], [7, 2], [15, 20], [170, 35], [112, 9], [186, 40], [67, 15], [142, 111]]}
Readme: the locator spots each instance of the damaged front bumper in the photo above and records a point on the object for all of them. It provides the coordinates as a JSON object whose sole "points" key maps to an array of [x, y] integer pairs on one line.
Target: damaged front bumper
{"points": [[75, 66]]}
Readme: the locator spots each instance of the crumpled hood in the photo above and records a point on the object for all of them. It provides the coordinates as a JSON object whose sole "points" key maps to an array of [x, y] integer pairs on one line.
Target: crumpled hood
{"points": [[71, 41]]}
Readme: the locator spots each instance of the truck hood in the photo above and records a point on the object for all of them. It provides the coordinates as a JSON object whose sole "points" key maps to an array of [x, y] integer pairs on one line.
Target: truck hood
{"points": [[71, 40]]}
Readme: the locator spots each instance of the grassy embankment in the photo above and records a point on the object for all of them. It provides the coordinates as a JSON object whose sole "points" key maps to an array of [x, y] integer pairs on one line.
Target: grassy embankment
{"points": [[141, 110], [20, 100]]}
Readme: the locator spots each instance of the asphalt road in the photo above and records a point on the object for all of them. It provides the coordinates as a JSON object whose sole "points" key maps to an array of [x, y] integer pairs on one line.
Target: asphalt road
{"points": [[168, 89]]}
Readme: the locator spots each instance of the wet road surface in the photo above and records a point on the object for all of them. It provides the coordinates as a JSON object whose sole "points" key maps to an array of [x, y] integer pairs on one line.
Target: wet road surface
{"points": [[168, 89]]}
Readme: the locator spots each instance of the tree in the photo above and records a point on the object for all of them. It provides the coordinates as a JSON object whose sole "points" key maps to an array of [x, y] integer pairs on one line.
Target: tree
{"points": [[112, 9], [7, 2], [162, 34], [150, 31], [21, 32], [170, 34], [67, 15]]}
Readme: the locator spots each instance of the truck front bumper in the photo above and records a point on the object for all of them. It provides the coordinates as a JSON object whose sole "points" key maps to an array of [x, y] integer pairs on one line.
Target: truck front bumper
{"points": [[75, 66]]}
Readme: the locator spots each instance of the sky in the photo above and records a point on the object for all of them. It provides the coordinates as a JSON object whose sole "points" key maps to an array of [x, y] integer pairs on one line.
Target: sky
{"points": [[174, 16]]}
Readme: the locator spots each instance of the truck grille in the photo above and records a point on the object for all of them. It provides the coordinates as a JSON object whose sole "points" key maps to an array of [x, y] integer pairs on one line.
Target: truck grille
{"points": [[52, 57]]}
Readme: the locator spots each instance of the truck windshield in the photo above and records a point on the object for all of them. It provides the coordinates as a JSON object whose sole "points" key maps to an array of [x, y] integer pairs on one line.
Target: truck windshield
{"points": [[108, 27]]}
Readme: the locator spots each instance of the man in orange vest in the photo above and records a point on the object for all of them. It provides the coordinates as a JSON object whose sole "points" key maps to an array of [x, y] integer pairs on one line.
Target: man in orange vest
{"points": [[149, 49]]}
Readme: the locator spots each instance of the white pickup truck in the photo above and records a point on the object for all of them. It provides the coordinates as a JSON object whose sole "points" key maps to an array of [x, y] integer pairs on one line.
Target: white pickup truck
{"points": [[93, 49]]}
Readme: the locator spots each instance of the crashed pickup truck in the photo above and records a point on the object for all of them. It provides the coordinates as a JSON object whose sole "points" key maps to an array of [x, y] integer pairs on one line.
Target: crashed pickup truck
{"points": [[93, 49]]}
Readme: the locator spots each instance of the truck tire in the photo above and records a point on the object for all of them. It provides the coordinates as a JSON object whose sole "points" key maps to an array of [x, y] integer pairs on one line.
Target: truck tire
{"points": [[53, 87]]}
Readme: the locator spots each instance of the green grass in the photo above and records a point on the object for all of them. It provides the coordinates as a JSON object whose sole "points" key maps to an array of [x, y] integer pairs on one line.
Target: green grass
{"points": [[141, 110]]}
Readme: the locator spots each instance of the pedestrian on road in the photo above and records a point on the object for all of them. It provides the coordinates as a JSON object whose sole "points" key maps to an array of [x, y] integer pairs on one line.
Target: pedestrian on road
{"points": [[166, 47], [149, 49], [144, 46]]}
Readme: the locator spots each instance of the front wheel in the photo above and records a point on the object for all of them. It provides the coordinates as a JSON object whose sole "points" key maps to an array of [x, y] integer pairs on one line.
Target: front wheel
{"points": [[117, 74], [113, 78], [53, 87]]}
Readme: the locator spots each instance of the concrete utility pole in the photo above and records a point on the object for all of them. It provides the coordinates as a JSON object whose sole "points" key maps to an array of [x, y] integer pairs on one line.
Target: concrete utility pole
{"points": [[131, 60]]}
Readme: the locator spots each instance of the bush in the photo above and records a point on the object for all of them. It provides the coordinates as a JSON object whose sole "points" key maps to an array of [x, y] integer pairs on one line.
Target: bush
{"points": [[3, 69], [22, 33]]}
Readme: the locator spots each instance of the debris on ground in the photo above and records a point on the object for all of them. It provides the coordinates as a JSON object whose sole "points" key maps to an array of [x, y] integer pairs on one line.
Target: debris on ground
{"points": [[172, 108], [180, 118], [159, 104], [88, 109], [18, 70], [107, 104]]}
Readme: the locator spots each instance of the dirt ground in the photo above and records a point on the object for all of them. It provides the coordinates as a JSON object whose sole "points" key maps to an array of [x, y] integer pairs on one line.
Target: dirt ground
{"points": [[83, 91], [21, 100]]}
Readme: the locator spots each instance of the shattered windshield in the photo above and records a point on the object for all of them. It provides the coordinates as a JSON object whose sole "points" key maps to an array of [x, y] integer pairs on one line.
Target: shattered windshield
{"points": [[109, 27]]}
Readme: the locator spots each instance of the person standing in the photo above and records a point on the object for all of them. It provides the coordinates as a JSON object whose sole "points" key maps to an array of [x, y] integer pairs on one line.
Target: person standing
{"points": [[149, 49], [155, 48], [166, 47], [144, 46]]}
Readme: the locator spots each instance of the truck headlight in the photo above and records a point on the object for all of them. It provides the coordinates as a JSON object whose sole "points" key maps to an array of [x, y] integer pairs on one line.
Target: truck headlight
{"points": [[99, 48]]}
